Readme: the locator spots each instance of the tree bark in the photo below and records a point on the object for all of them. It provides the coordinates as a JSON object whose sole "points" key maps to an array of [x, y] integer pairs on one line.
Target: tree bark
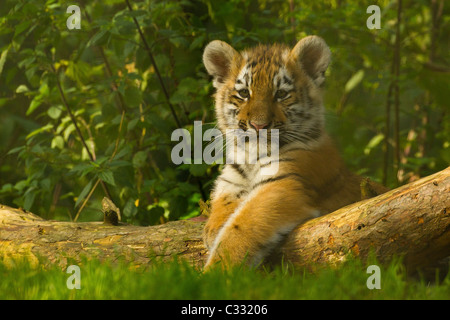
{"points": [[411, 221]]}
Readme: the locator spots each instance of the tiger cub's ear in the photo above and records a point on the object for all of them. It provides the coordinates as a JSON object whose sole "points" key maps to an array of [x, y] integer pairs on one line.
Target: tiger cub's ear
{"points": [[313, 56], [218, 58]]}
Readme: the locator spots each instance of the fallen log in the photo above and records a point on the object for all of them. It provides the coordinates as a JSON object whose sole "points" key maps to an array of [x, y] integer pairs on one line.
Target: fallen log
{"points": [[26, 235], [412, 221]]}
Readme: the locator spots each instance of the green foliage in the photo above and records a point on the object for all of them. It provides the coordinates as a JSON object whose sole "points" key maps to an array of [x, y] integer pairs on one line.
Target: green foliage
{"points": [[176, 280], [118, 104]]}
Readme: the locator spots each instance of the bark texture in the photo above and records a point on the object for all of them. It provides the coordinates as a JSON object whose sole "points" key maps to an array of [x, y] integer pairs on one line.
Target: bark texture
{"points": [[411, 221], [26, 235]]}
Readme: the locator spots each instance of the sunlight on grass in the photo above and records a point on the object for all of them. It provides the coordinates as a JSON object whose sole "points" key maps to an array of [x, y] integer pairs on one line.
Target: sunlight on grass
{"points": [[178, 280]]}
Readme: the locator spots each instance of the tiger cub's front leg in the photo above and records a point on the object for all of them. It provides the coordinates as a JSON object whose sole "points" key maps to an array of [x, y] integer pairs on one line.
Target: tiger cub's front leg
{"points": [[229, 189], [221, 208], [269, 213]]}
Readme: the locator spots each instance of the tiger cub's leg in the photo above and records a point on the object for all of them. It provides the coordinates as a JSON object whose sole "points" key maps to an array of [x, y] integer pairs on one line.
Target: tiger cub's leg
{"points": [[221, 209], [261, 222], [229, 189]]}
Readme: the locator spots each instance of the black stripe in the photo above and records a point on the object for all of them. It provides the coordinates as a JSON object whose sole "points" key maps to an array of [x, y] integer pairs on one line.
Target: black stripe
{"points": [[240, 194], [295, 176], [292, 103], [246, 78], [279, 160], [243, 125], [230, 182], [293, 149], [303, 115], [286, 80], [237, 97], [314, 132], [239, 170]]}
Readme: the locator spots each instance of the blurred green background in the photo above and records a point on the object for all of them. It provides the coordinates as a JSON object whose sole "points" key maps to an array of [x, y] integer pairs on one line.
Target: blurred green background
{"points": [[387, 95]]}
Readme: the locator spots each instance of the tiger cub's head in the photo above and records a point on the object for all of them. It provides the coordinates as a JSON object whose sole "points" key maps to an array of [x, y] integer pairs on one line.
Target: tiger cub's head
{"points": [[270, 87]]}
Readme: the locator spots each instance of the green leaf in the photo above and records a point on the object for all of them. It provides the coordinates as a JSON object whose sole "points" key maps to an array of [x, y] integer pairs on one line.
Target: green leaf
{"points": [[21, 27], [79, 71], [373, 143], [15, 150], [132, 124], [123, 152], [133, 96], [19, 186], [44, 90], [46, 184], [354, 81], [3, 59], [130, 209], [29, 199], [26, 62], [119, 163], [198, 170], [137, 13], [198, 42], [151, 216], [82, 169], [108, 177], [98, 38], [177, 207], [6, 188], [70, 128], [36, 102], [84, 193], [47, 127], [140, 159], [57, 142], [22, 88], [54, 112]]}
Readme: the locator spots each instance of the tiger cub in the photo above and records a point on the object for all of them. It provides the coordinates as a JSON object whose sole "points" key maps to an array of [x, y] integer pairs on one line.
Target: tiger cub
{"points": [[266, 88]]}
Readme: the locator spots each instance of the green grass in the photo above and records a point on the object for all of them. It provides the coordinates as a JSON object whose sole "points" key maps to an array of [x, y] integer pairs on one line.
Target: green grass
{"points": [[177, 280]]}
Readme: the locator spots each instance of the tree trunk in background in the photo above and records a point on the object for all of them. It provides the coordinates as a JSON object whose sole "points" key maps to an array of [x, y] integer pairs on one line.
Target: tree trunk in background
{"points": [[411, 221]]}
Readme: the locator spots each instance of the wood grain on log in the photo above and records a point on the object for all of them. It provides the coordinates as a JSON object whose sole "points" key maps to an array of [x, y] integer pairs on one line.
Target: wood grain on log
{"points": [[411, 221]]}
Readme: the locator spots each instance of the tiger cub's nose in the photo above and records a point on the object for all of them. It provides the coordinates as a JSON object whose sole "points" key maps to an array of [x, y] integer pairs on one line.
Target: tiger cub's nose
{"points": [[258, 126]]}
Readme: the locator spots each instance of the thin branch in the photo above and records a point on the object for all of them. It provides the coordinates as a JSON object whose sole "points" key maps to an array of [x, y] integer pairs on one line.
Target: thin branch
{"points": [[77, 128], [163, 87], [99, 180], [121, 103], [387, 134], [436, 67], [396, 88], [86, 200], [155, 67], [393, 90]]}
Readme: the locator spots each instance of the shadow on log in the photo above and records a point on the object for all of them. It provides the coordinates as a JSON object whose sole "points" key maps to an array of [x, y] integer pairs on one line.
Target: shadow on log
{"points": [[412, 221]]}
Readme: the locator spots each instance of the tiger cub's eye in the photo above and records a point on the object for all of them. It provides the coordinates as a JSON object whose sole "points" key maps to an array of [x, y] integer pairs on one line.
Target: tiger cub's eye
{"points": [[244, 93], [281, 94]]}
